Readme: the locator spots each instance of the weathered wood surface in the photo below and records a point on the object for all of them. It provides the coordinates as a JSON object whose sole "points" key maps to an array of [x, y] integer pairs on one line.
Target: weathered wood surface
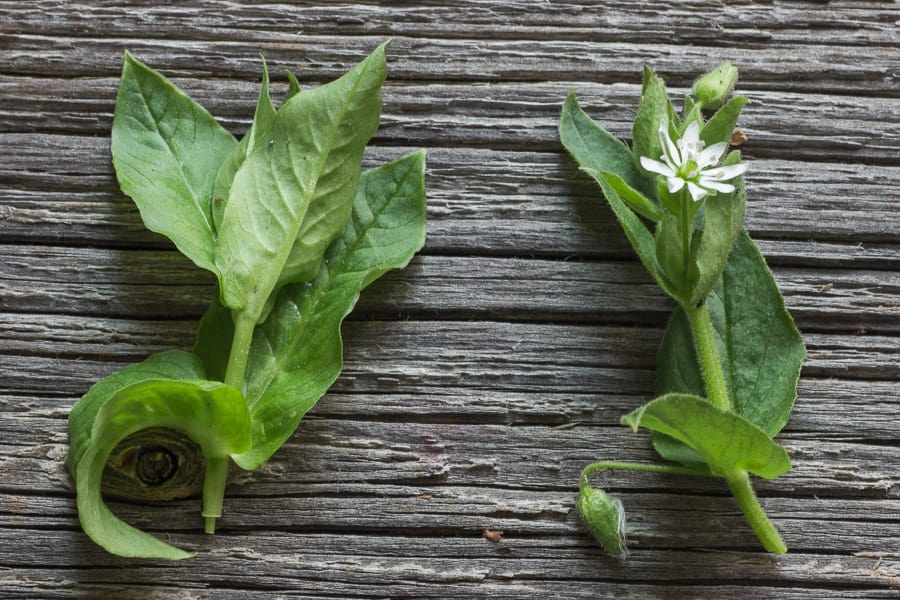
{"points": [[480, 380]]}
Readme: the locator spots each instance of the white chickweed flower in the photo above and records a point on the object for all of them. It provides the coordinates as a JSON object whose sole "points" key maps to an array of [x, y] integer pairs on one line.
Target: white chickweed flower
{"points": [[686, 162]]}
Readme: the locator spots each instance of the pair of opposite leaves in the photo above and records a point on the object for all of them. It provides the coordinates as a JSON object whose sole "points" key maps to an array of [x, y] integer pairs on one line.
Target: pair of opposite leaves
{"points": [[293, 231]]}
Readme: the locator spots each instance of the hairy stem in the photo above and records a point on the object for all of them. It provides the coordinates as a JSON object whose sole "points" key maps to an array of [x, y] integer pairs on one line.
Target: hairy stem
{"points": [[739, 483], [625, 466], [708, 356], [717, 392]]}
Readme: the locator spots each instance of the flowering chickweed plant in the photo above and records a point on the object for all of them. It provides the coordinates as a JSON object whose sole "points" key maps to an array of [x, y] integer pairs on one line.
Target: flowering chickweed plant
{"points": [[730, 358]]}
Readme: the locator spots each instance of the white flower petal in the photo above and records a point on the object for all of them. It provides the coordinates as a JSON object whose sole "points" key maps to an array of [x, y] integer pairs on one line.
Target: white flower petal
{"points": [[727, 172], [696, 191], [670, 151], [654, 166], [711, 155], [675, 184], [691, 135], [725, 188]]}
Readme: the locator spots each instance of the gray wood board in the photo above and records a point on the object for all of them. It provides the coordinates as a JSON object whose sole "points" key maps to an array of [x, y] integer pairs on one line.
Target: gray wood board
{"points": [[480, 380]]}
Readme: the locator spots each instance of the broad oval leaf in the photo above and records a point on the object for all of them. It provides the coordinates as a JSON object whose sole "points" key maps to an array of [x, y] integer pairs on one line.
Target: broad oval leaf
{"points": [[727, 442], [296, 353], [212, 414], [759, 347], [166, 150], [314, 150]]}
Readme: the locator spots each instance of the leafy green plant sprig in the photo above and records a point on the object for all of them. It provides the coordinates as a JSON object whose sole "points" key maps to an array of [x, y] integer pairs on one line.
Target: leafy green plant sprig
{"points": [[730, 359], [293, 231]]}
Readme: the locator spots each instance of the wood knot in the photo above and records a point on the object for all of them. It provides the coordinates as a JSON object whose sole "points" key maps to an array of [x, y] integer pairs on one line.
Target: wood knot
{"points": [[155, 464]]}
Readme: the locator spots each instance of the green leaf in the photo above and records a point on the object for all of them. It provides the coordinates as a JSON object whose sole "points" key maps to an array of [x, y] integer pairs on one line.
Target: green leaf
{"points": [[263, 119], [670, 253], [635, 200], [293, 86], [759, 347], [174, 364], [167, 150], [652, 112], [212, 414], [727, 442], [213, 342], [594, 148], [721, 125], [723, 220], [296, 353], [314, 151], [637, 233]]}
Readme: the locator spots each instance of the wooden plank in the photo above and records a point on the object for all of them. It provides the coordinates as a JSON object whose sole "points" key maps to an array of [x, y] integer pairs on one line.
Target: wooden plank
{"points": [[789, 126], [159, 284], [852, 23], [61, 189], [841, 69]]}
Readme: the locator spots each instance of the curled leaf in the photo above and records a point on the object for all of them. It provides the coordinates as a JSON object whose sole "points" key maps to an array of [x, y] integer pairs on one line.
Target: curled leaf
{"points": [[212, 414]]}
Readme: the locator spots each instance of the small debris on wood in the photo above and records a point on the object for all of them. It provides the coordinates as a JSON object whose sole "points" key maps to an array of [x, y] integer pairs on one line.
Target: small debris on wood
{"points": [[423, 497], [738, 137], [495, 535], [826, 287], [860, 331]]}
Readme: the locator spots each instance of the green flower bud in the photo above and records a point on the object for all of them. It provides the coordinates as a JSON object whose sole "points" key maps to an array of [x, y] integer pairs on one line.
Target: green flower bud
{"points": [[714, 88], [604, 517]]}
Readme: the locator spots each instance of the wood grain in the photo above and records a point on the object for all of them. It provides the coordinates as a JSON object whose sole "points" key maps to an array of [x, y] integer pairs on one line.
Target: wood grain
{"points": [[480, 380]]}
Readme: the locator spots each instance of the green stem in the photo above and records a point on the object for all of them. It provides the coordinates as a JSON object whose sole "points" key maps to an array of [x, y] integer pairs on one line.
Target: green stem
{"points": [[624, 466], [685, 222], [714, 378], [240, 350], [214, 491], [739, 483], [708, 356], [216, 475]]}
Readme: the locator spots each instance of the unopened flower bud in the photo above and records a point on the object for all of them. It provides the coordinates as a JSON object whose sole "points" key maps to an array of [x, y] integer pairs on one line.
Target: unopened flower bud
{"points": [[604, 517], [713, 89]]}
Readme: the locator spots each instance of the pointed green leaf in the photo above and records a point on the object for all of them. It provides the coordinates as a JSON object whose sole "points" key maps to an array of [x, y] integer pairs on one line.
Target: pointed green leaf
{"points": [[723, 220], [726, 441], [296, 353], [256, 137], [293, 86], [635, 200], [652, 112], [212, 414], [637, 233], [314, 151], [759, 347], [594, 148], [670, 254], [167, 150], [721, 125]]}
